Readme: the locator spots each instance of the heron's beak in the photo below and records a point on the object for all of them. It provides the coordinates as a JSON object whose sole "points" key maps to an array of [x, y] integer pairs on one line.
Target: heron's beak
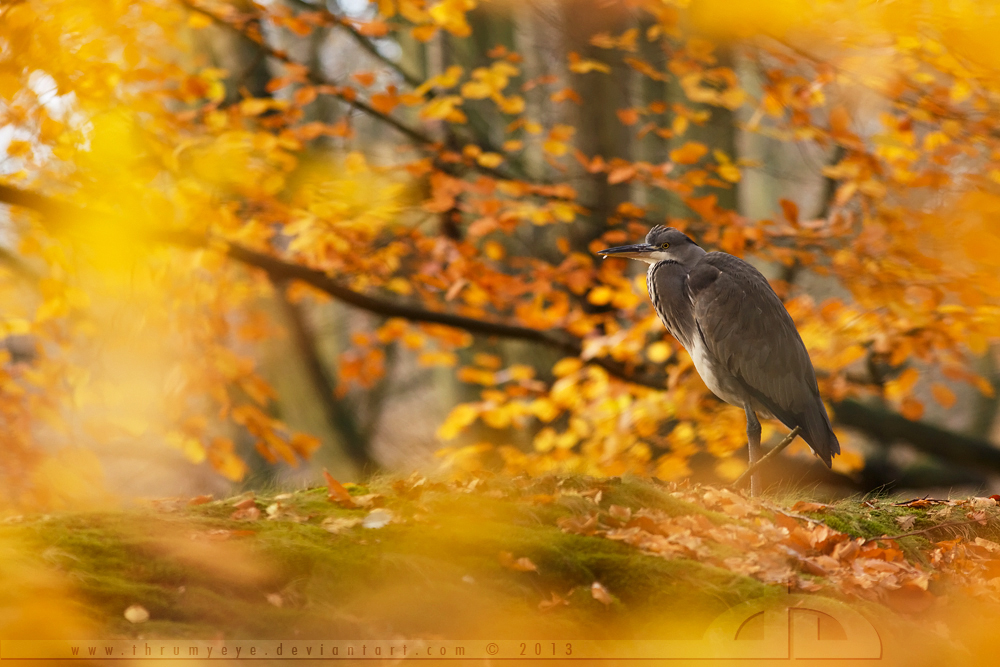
{"points": [[636, 251]]}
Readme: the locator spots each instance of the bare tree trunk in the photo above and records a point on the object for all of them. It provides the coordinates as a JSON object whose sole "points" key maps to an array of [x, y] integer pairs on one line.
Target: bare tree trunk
{"points": [[599, 130], [342, 419]]}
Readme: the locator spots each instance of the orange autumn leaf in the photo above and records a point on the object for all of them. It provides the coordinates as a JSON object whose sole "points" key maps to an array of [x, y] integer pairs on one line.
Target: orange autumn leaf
{"points": [[912, 409], [374, 28], [943, 395], [337, 493], [522, 564], [628, 116], [622, 173], [364, 78], [583, 65], [689, 153]]}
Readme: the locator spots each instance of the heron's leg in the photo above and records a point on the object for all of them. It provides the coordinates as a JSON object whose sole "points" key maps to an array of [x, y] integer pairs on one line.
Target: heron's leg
{"points": [[753, 444]]}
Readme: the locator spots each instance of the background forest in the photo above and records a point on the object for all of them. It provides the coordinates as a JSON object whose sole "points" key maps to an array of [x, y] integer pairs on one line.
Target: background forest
{"points": [[240, 237]]}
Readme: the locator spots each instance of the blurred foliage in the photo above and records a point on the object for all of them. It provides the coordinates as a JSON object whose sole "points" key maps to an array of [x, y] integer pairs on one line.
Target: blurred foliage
{"points": [[139, 324]]}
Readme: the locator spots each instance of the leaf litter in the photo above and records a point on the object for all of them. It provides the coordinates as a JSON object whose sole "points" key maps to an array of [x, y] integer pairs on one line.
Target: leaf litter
{"points": [[778, 546], [787, 546]]}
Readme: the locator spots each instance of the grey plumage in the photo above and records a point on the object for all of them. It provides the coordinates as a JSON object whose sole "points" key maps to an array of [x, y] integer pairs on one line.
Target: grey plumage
{"points": [[742, 340]]}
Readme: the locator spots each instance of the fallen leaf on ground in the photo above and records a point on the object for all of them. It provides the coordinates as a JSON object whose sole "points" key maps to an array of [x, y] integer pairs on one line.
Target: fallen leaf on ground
{"points": [[369, 500], [919, 503], [168, 504], [337, 525], [337, 493], [245, 503], [979, 517], [581, 525], [600, 593], [909, 599], [623, 514], [246, 514], [136, 614], [989, 545], [220, 534], [522, 564], [377, 519], [803, 506], [555, 601]]}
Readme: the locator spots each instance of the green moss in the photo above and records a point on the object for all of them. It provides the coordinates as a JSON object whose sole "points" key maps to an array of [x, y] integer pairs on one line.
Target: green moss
{"points": [[437, 570]]}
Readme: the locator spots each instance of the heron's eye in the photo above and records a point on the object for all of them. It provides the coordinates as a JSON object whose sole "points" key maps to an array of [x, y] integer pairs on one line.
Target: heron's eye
{"points": [[665, 245]]}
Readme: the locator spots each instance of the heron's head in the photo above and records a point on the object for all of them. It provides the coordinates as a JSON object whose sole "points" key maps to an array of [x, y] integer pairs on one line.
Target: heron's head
{"points": [[661, 243]]}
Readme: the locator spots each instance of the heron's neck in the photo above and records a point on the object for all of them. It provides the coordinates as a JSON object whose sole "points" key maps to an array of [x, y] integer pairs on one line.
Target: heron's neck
{"points": [[692, 255], [667, 290]]}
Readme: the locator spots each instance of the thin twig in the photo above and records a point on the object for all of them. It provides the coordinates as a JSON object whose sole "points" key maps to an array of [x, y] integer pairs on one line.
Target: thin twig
{"points": [[348, 98], [345, 24], [767, 457], [946, 524], [347, 95]]}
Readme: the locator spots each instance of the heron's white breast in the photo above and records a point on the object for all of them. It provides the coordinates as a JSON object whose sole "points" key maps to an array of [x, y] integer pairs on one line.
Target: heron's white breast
{"points": [[709, 371]]}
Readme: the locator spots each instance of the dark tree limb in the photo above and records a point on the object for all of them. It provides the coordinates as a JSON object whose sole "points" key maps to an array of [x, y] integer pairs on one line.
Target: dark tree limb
{"points": [[411, 133], [345, 24], [888, 426], [415, 135], [882, 424]]}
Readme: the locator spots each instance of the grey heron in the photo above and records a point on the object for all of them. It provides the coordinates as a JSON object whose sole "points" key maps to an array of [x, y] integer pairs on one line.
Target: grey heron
{"points": [[741, 339]]}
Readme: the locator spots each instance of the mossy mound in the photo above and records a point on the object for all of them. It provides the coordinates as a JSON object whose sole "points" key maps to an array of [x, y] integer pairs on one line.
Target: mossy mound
{"points": [[482, 558]]}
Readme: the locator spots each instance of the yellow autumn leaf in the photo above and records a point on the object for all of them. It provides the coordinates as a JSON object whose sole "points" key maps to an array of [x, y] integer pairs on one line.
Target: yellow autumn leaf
{"points": [[658, 352], [450, 15], [490, 160], [437, 358], [457, 421], [556, 148], [444, 108], [544, 409], [476, 90], [567, 366], [197, 20], [255, 106], [583, 65], [729, 172], [10, 85], [512, 105], [424, 33], [600, 296]]}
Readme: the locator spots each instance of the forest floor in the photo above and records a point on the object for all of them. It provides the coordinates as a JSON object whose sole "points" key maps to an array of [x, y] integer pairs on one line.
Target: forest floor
{"points": [[553, 558]]}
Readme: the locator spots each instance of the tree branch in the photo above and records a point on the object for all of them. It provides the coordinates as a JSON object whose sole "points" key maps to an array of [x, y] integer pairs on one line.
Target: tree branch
{"points": [[889, 426], [748, 473], [882, 424], [362, 41], [351, 100]]}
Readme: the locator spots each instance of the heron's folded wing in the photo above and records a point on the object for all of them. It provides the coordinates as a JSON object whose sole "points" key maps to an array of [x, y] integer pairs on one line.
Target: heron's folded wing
{"points": [[746, 327]]}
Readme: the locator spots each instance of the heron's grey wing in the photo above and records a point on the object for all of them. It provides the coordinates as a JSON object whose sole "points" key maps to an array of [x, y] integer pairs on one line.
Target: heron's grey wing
{"points": [[747, 329]]}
